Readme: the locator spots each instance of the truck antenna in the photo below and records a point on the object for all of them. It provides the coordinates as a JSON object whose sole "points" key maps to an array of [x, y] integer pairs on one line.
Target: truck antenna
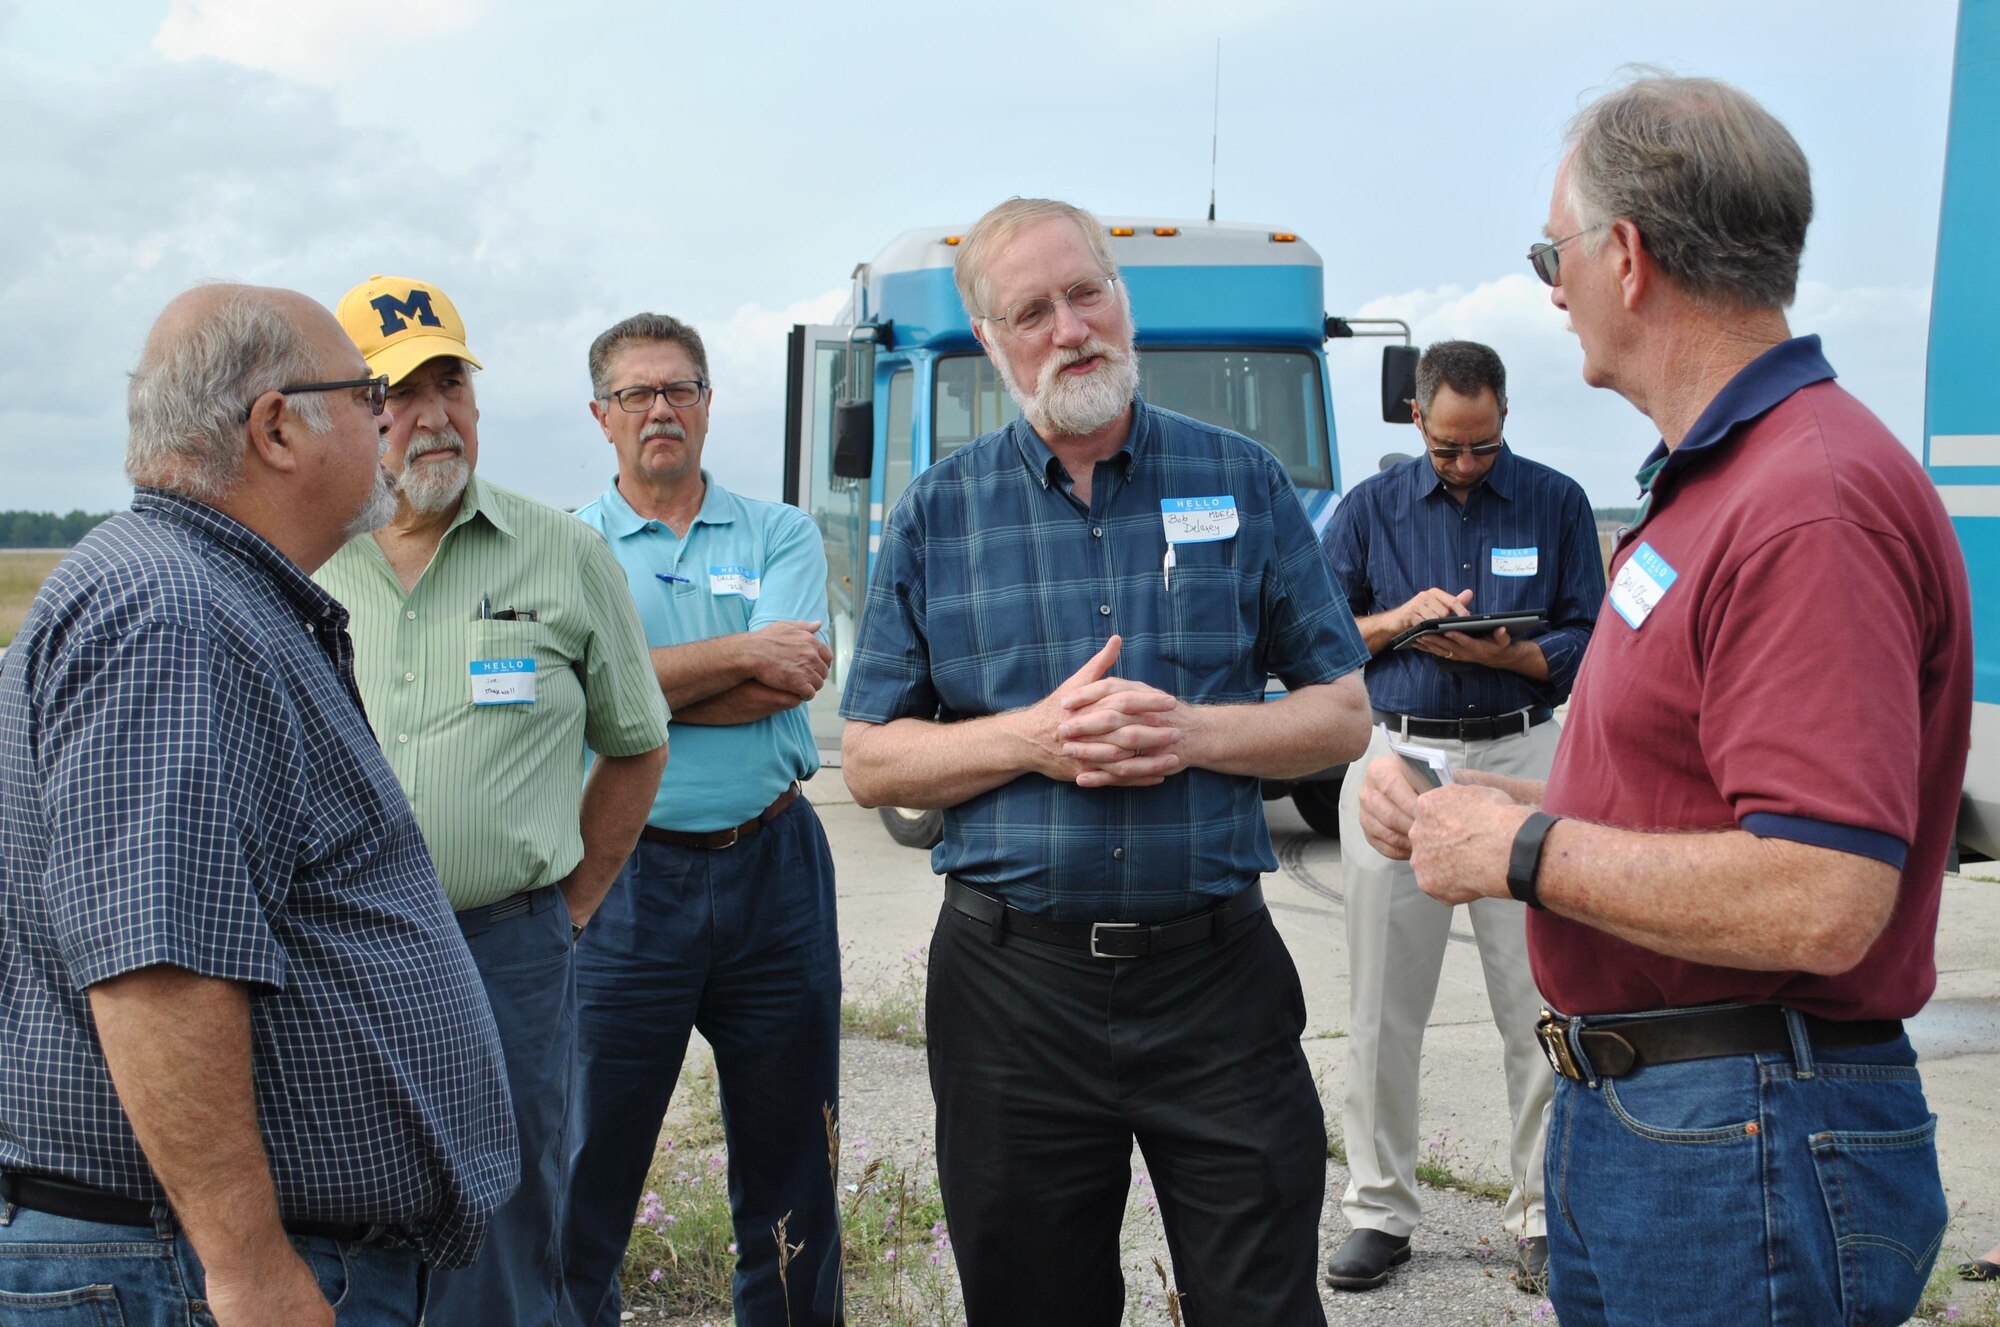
{"points": [[1215, 132]]}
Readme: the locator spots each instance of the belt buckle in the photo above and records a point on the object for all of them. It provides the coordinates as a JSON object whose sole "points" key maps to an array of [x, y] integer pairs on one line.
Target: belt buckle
{"points": [[1552, 1030], [1095, 927], [734, 832]]}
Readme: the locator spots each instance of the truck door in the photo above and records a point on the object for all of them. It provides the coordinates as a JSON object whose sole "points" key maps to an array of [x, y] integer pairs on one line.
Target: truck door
{"points": [[820, 362]]}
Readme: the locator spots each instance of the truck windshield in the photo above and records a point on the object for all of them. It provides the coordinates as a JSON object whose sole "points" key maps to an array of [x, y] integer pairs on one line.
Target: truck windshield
{"points": [[1273, 396]]}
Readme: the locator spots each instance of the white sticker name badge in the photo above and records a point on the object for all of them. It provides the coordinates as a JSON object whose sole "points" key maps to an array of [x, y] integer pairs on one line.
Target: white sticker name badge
{"points": [[1640, 585], [1198, 520], [1516, 561], [503, 681], [745, 581]]}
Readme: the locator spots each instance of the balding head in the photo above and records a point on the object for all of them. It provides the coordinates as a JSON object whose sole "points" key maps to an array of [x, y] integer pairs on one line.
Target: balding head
{"points": [[211, 353]]}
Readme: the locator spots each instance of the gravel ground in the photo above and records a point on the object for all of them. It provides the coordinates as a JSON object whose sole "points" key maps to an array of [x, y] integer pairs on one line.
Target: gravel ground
{"points": [[1456, 1274]]}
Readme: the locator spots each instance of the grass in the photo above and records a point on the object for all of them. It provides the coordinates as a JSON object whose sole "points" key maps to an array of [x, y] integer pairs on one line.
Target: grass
{"points": [[886, 1004], [22, 572], [1947, 1299]]}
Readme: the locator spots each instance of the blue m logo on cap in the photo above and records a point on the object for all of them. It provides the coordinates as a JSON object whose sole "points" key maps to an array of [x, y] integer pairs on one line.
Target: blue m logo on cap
{"points": [[394, 311]]}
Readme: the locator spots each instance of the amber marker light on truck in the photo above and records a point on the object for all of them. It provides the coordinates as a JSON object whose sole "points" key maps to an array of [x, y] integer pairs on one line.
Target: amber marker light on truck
{"points": [[1122, 232], [953, 239], [1165, 232], [1283, 237]]}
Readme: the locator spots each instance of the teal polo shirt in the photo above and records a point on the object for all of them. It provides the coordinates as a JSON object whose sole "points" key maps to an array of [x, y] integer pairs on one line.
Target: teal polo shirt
{"points": [[744, 565]]}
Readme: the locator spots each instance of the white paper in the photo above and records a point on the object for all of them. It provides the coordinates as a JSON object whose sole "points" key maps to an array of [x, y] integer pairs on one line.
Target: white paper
{"points": [[1438, 760]]}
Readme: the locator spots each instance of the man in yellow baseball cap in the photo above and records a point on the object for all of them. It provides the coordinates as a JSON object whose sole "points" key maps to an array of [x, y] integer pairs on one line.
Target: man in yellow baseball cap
{"points": [[492, 636]]}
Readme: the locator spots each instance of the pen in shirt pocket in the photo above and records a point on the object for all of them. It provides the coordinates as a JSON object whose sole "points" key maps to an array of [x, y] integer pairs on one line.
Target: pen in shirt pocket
{"points": [[672, 579]]}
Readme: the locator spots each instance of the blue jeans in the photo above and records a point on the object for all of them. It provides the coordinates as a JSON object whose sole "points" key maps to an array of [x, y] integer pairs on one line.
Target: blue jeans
{"points": [[1794, 1189], [524, 963], [58, 1272], [740, 943]]}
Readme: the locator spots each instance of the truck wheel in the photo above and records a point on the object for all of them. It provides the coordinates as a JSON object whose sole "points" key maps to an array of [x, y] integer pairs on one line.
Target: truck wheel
{"points": [[913, 829], [1319, 806]]}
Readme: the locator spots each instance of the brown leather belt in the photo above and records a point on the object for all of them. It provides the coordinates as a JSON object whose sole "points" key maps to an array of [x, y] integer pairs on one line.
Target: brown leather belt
{"points": [[1613, 1047], [724, 838]]}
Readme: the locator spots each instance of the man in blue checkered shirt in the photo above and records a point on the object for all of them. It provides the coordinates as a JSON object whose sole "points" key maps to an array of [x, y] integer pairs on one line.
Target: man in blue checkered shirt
{"points": [[1065, 646], [246, 1066]]}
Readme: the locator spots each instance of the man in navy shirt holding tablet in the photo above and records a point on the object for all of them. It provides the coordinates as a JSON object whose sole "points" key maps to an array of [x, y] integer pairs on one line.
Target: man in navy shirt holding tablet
{"points": [[1470, 526]]}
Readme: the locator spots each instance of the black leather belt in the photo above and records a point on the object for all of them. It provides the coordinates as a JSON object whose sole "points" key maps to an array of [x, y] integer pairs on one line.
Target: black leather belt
{"points": [[1511, 724], [1614, 1047], [511, 906], [724, 838], [84, 1202], [1104, 939]]}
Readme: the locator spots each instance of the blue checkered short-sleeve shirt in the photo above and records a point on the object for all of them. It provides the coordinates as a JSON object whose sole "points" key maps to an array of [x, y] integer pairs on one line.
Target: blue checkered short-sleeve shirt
{"points": [[187, 778], [993, 585]]}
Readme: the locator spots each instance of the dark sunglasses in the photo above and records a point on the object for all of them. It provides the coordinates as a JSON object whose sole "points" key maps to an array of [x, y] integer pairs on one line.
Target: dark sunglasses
{"points": [[1546, 258]]}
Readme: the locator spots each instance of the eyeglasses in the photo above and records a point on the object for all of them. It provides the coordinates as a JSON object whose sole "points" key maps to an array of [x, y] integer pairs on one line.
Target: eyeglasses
{"points": [[1546, 258], [1446, 455], [638, 400], [1032, 317], [378, 390]]}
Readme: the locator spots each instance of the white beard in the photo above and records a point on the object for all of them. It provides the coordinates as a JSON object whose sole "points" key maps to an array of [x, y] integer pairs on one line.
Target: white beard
{"points": [[378, 511], [1070, 407], [435, 485]]}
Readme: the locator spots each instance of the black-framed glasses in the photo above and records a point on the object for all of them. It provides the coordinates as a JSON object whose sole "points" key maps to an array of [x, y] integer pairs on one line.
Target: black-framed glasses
{"points": [[1446, 455], [378, 390], [1546, 257], [1032, 317], [638, 400]]}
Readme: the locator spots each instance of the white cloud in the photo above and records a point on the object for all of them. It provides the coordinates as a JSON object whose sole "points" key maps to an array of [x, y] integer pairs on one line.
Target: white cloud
{"points": [[1874, 337], [313, 41]]}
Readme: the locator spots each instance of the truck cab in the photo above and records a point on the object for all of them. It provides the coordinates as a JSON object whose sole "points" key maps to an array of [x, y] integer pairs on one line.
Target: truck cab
{"points": [[1231, 329]]}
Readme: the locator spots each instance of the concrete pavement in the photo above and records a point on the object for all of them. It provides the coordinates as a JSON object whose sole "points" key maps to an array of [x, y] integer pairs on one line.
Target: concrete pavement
{"points": [[889, 901]]}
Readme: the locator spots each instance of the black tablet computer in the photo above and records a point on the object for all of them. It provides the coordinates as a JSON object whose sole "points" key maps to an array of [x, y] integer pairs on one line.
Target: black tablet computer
{"points": [[1473, 624]]}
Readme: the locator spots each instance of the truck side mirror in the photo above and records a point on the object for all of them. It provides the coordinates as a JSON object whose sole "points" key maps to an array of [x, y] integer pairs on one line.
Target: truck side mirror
{"points": [[853, 439], [1399, 382]]}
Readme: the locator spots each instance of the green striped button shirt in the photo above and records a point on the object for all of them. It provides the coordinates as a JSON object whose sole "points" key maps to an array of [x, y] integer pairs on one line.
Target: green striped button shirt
{"points": [[496, 788]]}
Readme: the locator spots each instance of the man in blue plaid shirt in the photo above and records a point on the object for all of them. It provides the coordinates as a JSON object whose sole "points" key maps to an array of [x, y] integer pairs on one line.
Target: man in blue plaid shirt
{"points": [[1066, 643], [246, 1067]]}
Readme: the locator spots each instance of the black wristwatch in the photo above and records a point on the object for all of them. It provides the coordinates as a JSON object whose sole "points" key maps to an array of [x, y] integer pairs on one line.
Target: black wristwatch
{"points": [[1525, 862]]}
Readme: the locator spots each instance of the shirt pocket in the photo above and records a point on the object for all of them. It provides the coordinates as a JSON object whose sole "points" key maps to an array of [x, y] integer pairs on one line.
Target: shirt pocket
{"points": [[1211, 623]]}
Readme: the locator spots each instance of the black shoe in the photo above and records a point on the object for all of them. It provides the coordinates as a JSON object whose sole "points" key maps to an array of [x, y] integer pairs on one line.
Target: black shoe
{"points": [[1364, 1258], [1531, 1264]]}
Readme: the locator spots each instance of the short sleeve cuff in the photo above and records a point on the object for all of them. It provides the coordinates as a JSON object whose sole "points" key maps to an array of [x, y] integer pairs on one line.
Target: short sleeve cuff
{"points": [[1869, 843]]}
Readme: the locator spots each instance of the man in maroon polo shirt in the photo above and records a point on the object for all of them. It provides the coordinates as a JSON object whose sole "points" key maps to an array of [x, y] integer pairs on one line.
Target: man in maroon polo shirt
{"points": [[1734, 866]]}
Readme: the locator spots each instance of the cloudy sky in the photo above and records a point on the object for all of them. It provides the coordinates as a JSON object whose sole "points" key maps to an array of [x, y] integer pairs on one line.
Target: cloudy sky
{"points": [[555, 167]]}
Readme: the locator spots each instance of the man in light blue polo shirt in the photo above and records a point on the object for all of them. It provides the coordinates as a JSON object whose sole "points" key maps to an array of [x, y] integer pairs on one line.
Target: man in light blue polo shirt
{"points": [[723, 918]]}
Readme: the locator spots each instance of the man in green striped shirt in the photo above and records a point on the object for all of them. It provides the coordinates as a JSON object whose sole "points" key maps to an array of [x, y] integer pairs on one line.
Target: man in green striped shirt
{"points": [[494, 637]]}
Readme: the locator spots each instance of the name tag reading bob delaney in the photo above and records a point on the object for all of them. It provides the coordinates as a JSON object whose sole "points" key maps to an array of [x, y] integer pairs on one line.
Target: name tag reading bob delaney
{"points": [[1198, 520], [503, 681]]}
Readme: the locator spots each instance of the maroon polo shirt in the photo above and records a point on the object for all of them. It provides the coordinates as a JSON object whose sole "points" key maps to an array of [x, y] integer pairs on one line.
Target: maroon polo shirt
{"points": [[1787, 650]]}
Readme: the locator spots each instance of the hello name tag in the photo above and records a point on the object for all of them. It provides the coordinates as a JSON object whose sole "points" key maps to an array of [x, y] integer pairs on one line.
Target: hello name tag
{"points": [[1198, 520], [1640, 585], [1516, 561], [744, 581], [503, 681]]}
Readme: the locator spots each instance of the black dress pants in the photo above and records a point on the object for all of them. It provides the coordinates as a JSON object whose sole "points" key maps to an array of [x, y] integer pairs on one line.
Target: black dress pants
{"points": [[1046, 1064]]}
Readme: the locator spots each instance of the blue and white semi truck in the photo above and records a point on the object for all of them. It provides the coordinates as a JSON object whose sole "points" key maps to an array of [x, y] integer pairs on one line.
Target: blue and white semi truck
{"points": [[1231, 329], [1961, 405]]}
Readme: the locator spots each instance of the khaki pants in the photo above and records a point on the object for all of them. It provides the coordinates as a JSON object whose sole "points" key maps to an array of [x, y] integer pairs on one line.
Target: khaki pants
{"points": [[1396, 937]]}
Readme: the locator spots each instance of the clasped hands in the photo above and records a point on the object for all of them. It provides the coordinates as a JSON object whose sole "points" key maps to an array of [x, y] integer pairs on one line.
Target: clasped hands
{"points": [[1109, 732]]}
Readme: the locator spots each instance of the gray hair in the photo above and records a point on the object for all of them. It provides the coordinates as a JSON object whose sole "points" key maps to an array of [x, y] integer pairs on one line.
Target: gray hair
{"points": [[192, 392], [640, 328], [1719, 189], [1466, 367], [1001, 224]]}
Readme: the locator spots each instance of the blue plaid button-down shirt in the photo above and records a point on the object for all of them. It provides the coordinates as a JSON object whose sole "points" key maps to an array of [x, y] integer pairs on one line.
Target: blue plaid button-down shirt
{"points": [[994, 584], [186, 778]]}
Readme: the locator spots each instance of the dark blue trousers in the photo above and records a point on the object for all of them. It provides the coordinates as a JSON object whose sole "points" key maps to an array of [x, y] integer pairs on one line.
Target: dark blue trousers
{"points": [[524, 961], [740, 943]]}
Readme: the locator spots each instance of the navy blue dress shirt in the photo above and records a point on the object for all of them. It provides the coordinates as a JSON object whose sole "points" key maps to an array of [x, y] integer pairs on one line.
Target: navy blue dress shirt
{"points": [[1525, 539], [187, 778], [994, 584]]}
